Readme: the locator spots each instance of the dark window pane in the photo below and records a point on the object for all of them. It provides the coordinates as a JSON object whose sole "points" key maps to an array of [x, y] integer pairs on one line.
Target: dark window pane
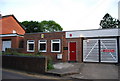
{"points": [[55, 46], [31, 46], [31, 41], [42, 46]]}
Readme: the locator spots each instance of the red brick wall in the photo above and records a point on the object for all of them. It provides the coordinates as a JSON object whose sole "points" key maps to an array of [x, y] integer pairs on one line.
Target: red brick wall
{"points": [[47, 36], [15, 41], [50, 36], [78, 47]]}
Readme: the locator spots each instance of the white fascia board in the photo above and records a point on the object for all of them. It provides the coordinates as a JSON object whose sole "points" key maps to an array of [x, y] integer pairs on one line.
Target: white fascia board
{"points": [[9, 35], [93, 33]]}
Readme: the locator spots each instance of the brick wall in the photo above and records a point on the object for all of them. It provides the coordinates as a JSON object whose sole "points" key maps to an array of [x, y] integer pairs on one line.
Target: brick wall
{"points": [[50, 36], [15, 41], [78, 48], [26, 63], [47, 36]]}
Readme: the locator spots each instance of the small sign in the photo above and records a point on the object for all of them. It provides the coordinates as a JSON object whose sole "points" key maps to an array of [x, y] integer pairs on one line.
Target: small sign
{"points": [[108, 50], [70, 35], [42, 35], [65, 48], [59, 56]]}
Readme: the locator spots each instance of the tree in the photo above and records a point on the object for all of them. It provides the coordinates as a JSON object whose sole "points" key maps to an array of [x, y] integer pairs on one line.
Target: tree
{"points": [[50, 26], [32, 26], [44, 26], [109, 22]]}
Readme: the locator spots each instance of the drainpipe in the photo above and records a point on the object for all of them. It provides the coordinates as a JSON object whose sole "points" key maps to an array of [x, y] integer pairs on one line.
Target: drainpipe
{"points": [[119, 10]]}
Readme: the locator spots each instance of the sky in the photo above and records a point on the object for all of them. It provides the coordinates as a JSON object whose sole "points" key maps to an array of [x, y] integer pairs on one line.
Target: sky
{"points": [[70, 14]]}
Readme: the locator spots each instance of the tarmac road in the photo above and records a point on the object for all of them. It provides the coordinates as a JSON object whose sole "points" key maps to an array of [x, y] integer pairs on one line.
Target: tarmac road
{"points": [[13, 75]]}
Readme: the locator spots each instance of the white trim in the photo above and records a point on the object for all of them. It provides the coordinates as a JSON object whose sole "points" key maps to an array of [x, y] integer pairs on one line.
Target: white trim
{"points": [[9, 35], [28, 46], [39, 42], [56, 42]]}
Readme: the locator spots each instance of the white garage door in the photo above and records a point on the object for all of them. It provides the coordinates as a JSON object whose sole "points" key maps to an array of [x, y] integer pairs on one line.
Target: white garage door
{"points": [[109, 50], [90, 50], [6, 44], [102, 50]]}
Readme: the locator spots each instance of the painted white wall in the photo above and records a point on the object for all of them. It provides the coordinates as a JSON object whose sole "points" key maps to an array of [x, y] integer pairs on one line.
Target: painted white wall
{"points": [[93, 33]]}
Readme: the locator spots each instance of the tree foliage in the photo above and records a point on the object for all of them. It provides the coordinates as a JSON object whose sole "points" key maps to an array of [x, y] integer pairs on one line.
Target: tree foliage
{"points": [[32, 26], [51, 26], [43, 26], [109, 22]]}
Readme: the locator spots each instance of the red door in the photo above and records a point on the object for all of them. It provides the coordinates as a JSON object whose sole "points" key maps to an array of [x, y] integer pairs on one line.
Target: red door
{"points": [[72, 51]]}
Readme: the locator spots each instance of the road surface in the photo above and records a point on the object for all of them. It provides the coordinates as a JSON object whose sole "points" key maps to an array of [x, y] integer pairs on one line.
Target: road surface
{"points": [[13, 75]]}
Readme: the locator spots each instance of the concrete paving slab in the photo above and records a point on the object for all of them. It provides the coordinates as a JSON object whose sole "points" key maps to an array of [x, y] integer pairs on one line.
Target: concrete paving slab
{"points": [[97, 71], [62, 69], [63, 65], [86, 70]]}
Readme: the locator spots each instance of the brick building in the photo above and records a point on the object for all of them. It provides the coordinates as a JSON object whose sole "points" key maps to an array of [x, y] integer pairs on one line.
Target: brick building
{"points": [[12, 33], [52, 44], [100, 45]]}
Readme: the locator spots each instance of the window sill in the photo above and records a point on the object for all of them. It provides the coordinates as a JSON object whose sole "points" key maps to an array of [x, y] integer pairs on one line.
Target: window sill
{"points": [[42, 51], [55, 51], [30, 51]]}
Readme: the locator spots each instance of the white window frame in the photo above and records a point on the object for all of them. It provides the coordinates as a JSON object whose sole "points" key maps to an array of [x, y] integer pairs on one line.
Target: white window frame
{"points": [[42, 42], [30, 42], [52, 41]]}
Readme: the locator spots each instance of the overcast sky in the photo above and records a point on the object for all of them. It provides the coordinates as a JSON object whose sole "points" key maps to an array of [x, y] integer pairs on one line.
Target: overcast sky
{"points": [[70, 14]]}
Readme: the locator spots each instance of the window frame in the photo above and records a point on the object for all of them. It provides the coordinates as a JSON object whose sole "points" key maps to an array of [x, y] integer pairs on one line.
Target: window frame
{"points": [[28, 42], [52, 41], [39, 42]]}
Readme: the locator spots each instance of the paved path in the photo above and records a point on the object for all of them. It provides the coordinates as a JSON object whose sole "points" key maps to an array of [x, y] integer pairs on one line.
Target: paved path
{"points": [[87, 70], [62, 69], [97, 71]]}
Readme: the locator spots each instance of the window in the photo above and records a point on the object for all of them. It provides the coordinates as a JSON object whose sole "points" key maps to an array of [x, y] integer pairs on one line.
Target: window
{"points": [[42, 45], [30, 46], [55, 45]]}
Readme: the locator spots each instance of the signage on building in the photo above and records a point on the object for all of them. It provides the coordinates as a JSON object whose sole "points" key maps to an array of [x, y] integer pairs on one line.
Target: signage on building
{"points": [[65, 48], [70, 35], [42, 35], [108, 50]]}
